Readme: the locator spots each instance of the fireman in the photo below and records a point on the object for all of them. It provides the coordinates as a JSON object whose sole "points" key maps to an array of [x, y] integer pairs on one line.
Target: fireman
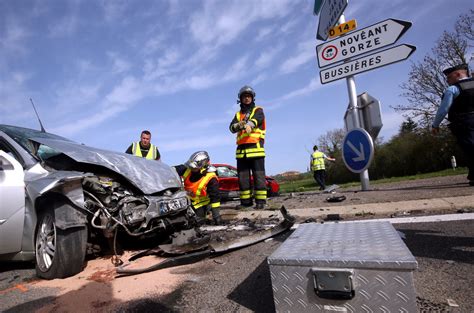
{"points": [[318, 167], [202, 185], [249, 125]]}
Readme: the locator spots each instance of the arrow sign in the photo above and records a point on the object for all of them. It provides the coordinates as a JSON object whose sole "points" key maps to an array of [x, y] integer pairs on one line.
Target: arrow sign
{"points": [[362, 41], [330, 13], [357, 150], [367, 63]]}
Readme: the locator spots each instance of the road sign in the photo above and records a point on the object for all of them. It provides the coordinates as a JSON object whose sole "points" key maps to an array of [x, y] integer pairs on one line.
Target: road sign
{"points": [[367, 63], [329, 15], [370, 115], [343, 28], [357, 150], [317, 6], [362, 41]]}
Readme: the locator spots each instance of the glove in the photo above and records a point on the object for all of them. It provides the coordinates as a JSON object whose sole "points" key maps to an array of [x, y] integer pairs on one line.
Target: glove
{"points": [[248, 128], [242, 124]]}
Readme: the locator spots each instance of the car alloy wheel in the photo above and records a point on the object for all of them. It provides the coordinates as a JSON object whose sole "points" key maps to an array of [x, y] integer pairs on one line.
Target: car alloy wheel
{"points": [[46, 243]]}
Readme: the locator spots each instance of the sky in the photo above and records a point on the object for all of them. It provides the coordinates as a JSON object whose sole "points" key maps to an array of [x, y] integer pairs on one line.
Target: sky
{"points": [[99, 72]]}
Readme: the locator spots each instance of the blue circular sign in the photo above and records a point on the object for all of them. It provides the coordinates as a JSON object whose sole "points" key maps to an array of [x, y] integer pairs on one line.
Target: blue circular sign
{"points": [[357, 150]]}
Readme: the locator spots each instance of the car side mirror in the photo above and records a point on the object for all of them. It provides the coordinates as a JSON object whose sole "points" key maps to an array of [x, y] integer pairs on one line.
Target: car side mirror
{"points": [[5, 165]]}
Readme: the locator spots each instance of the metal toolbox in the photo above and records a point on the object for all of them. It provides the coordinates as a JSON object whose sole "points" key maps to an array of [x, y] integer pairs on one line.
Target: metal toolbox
{"points": [[343, 267]]}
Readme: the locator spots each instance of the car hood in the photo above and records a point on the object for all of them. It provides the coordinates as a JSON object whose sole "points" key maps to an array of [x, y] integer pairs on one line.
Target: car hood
{"points": [[150, 176]]}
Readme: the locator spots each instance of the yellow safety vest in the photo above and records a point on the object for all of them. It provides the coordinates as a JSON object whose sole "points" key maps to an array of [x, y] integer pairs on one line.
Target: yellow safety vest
{"points": [[317, 162], [197, 190], [151, 155], [257, 134]]}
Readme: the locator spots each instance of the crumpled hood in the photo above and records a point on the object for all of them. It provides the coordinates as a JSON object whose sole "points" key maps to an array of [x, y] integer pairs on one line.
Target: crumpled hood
{"points": [[150, 176]]}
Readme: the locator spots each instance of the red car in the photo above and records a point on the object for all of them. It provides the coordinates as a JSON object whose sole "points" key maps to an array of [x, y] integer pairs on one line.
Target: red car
{"points": [[229, 182]]}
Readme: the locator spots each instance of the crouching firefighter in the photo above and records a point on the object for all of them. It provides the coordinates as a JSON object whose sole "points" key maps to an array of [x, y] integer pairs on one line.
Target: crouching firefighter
{"points": [[202, 185]]}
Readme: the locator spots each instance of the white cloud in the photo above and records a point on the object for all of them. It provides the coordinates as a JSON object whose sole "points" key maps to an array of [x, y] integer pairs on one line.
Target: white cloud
{"points": [[305, 53], [13, 38], [119, 65], [313, 85], [266, 57], [113, 10]]}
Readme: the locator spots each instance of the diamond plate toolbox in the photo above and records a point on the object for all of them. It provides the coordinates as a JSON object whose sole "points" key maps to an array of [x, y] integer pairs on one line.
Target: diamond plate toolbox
{"points": [[343, 267]]}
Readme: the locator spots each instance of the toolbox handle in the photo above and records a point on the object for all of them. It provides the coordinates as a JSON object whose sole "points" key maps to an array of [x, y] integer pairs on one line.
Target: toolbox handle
{"points": [[331, 283]]}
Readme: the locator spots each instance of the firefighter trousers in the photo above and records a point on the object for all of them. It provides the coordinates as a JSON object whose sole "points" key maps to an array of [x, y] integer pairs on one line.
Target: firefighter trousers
{"points": [[251, 173]]}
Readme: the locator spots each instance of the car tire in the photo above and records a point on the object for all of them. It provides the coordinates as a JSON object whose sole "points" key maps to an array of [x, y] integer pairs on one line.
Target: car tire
{"points": [[59, 253]]}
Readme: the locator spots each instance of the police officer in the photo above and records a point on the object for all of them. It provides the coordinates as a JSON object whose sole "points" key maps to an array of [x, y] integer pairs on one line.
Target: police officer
{"points": [[458, 104], [144, 148], [318, 167], [202, 185], [249, 125]]}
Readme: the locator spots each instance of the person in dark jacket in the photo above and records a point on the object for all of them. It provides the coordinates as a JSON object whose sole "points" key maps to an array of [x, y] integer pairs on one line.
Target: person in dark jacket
{"points": [[458, 104], [201, 183], [250, 126]]}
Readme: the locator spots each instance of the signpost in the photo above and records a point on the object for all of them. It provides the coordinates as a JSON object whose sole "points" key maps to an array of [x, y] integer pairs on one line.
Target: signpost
{"points": [[362, 41], [370, 115], [331, 11], [357, 150], [367, 63], [343, 28], [317, 6]]}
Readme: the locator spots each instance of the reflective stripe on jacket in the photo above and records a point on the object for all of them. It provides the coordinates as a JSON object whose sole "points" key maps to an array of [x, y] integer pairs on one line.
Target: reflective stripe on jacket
{"points": [[151, 155], [197, 190], [250, 145], [317, 161]]}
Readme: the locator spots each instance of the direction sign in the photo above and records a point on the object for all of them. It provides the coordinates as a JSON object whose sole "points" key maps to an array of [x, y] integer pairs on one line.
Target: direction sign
{"points": [[357, 150], [329, 15], [367, 63], [362, 41]]}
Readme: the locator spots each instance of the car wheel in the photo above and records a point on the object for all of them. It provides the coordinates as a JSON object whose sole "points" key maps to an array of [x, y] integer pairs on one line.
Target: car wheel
{"points": [[59, 253]]}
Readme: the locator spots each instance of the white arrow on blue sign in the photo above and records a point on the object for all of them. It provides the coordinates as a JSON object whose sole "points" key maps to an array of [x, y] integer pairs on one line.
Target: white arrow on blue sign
{"points": [[357, 150]]}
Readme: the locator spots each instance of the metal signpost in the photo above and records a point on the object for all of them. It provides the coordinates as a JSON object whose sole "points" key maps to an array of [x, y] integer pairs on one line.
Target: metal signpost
{"points": [[362, 41], [330, 13], [358, 145], [357, 150], [370, 115], [367, 63]]}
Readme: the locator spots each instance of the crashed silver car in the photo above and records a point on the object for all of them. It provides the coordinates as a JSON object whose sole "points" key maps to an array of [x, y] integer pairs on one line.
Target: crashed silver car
{"points": [[57, 195]]}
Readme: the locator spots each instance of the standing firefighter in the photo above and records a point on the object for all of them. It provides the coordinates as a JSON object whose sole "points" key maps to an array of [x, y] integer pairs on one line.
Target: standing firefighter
{"points": [[249, 125], [318, 167], [202, 185], [458, 103]]}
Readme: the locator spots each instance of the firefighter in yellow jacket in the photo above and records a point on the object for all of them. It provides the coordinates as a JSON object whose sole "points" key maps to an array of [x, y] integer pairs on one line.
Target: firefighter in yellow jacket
{"points": [[318, 167], [249, 125], [202, 185]]}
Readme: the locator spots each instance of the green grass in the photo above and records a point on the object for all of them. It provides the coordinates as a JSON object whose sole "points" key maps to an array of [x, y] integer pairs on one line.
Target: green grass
{"points": [[309, 184]]}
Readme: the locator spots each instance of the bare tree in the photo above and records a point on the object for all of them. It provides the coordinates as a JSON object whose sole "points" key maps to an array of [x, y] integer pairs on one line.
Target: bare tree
{"points": [[426, 82], [331, 142]]}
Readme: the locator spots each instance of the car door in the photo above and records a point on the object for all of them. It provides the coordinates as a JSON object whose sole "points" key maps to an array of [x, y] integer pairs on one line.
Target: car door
{"points": [[12, 203]]}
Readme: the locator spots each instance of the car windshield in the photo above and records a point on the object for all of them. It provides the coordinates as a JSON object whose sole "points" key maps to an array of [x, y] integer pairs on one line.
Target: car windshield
{"points": [[23, 137], [223, 171]]}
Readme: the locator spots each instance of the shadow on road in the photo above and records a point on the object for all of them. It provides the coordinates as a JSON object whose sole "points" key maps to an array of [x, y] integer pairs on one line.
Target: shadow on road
{"points": [[255, 292], [434, 244]]}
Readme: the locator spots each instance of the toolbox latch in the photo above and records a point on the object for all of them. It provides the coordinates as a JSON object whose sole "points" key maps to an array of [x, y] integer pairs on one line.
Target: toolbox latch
{"points": [[331, 283]]}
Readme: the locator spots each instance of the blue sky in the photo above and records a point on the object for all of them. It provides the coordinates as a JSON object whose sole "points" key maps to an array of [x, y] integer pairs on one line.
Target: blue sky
{"points": [[101, 71]]}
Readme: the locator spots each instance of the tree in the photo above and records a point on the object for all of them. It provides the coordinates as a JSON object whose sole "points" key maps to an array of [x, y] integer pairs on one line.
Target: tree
{"points": [[408, 126], [426, 83]]}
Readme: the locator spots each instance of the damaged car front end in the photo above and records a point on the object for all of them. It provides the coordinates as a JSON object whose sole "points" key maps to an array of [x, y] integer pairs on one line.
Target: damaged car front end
{"points": [[58, 196]]}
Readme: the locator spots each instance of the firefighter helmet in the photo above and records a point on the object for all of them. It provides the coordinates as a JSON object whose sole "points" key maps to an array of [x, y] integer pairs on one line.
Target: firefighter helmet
{"points": [[198, 160], [246, 90]]}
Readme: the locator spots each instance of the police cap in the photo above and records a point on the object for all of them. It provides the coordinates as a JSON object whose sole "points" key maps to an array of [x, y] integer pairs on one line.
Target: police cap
{"points": [[455, 68]]}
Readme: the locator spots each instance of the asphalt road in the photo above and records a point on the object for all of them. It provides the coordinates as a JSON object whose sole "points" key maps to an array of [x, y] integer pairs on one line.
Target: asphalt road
{"points": [[239, 281]]}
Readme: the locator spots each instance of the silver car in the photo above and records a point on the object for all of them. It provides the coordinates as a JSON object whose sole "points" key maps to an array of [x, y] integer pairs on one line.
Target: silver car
{"points": [[58, 196]]}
